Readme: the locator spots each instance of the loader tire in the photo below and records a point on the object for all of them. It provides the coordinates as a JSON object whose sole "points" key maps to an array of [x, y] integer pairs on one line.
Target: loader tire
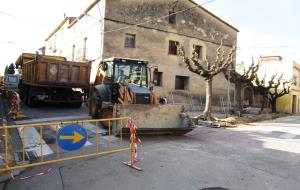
{"points": [[106, 113], [94, 106]]}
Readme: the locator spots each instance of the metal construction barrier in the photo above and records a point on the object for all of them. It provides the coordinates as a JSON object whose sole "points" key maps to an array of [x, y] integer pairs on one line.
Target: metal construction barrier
{"points": [[68, 137]]}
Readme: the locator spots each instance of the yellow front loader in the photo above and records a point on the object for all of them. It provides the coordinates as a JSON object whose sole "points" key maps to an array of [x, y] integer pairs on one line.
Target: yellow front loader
{"points": [[122, 89]]}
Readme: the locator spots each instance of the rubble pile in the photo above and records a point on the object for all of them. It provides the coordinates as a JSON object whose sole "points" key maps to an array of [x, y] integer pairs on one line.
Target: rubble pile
{"points": [[235, 121]]}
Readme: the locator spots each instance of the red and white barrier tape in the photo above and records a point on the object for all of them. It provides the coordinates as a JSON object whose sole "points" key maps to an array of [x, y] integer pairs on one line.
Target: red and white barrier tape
{"points": [[33, 175], [133, 137], [15, 101]]}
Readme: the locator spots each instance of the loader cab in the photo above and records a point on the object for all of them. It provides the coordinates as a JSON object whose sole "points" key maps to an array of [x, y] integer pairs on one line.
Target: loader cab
{"points": [[114, 74], [130, 72], [124, 71]]}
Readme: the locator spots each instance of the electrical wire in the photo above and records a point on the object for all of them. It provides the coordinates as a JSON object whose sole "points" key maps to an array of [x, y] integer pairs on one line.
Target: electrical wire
{"points": [[24, 20], [134, 25], [154, 20], [270, 47], [7, 42], [158, 18]]}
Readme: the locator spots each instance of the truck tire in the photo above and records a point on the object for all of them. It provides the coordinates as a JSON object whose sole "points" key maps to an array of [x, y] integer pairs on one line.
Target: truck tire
{"points": [[25, 93], [25, 99], [30, 98], [31, 102], [75, 104], [21, 93]]}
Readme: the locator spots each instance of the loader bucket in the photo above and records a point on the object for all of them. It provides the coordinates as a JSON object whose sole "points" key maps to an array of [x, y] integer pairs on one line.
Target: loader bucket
{"points": [[153, 119]]}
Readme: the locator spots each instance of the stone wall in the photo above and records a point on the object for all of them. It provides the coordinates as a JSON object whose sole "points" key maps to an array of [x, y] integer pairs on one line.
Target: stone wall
{"points": [[196, 22]]}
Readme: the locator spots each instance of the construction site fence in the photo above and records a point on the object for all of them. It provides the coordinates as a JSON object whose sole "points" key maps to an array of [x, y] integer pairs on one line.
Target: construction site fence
{"points": [[196, 102], [57, 157]]}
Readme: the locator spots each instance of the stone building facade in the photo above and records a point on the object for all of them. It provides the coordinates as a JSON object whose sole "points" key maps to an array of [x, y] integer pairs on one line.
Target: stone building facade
{"points": [[147, 30]]}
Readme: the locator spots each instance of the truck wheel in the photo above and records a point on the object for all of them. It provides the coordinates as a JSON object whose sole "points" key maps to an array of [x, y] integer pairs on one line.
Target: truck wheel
{"points": [[25, 100], [29, 98], [94, 106], [106, 113], [31, 102], [75, 105]]}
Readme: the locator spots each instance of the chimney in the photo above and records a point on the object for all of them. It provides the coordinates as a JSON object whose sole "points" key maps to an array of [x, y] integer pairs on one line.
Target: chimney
{"points": [[42, 50]]}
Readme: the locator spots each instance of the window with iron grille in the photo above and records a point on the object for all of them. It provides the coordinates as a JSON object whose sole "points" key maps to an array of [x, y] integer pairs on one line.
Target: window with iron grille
{"points": [[295, 80], [172, 17], [198, 51], [130, 41], [158, 78], [181, 82], [173, 47], [84, 48]]}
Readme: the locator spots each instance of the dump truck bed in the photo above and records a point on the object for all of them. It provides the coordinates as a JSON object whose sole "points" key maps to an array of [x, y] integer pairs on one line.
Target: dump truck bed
{"points": [[54, 71]]}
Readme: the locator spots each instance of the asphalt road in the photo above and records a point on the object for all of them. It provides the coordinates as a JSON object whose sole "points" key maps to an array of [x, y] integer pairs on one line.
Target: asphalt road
{"points": [[263, 156]]}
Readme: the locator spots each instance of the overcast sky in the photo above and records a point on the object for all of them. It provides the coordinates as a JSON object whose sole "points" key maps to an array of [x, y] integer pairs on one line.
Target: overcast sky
{"points": [[267, 27]]}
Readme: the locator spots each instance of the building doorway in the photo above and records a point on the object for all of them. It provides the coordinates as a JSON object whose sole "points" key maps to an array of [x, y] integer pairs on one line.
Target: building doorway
{"points": [[248, 97]]}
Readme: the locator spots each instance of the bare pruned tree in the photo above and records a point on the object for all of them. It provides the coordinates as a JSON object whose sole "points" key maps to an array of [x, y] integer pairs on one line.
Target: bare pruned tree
{"points": [[208, 69], [240, 79], [275, 88]]}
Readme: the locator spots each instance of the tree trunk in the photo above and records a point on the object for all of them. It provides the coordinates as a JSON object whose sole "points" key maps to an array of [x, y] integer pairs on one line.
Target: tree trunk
{"points": [[273, 105], [208, 100], [238, 96], [262, 105], [264, 100]]}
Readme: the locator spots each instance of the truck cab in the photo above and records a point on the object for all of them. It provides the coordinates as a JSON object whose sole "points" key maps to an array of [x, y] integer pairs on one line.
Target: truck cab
{"points": [[11, 81]]}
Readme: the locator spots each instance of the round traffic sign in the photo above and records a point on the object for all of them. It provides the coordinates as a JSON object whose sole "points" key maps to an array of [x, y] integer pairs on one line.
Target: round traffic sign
{"points": [[71, 137]]}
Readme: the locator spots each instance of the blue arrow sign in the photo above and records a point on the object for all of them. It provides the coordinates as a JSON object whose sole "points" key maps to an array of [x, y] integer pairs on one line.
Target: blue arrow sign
{"points": [[71, 137]]}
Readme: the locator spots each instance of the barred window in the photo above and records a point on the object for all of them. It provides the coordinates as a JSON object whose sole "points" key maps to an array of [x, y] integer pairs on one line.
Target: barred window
{"points": [[173, 47], [158, 77], [198, 50], [130, 41], [172, 17], [295, 80], [182, 83]]}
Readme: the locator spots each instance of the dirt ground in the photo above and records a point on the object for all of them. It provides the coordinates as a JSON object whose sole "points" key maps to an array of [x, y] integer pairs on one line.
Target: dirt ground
{"points": [[234, 121], [249, 118]]}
